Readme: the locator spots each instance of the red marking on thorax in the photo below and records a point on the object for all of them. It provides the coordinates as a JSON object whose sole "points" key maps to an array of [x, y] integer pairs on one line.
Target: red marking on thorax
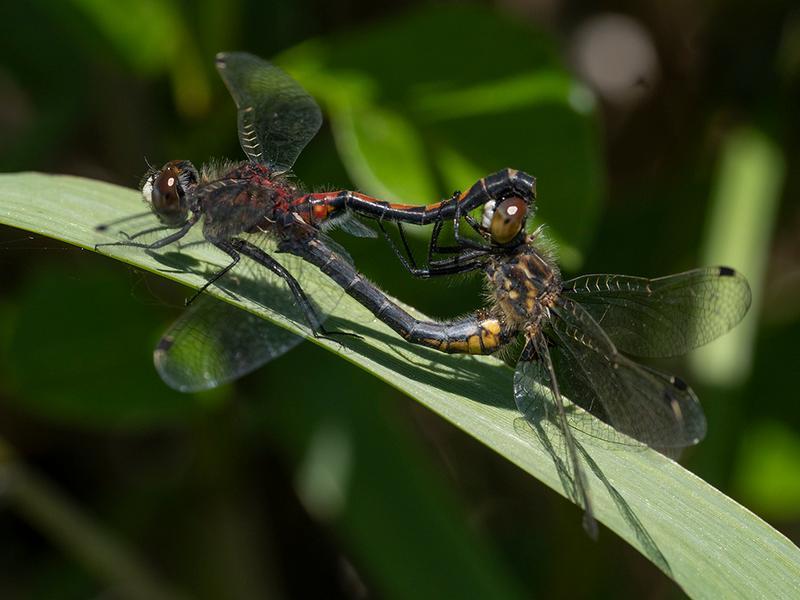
{"points": [[321, 211]]}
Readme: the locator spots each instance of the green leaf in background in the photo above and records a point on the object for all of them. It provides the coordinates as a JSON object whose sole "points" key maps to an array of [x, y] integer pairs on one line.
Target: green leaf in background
{"points": [[152, 36], [73, 358], [711, 546], [747, 193], [479, 93], [768, 476]]}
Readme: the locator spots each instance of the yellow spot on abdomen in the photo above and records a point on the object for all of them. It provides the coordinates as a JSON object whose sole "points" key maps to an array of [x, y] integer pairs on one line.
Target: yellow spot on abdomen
{"points": [[474, 343]]}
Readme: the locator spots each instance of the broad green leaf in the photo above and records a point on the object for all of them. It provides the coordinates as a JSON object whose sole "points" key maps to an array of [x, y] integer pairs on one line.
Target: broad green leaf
{"points": [[711, 546]]}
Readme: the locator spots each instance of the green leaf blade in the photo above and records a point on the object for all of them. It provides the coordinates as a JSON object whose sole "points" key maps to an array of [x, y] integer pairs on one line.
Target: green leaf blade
{"points": [[713, 547]]}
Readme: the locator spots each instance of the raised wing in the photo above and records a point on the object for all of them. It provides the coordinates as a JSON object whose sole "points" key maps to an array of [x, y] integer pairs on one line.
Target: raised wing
{"points": [[667, 316], [655, 409], [277, 117]]}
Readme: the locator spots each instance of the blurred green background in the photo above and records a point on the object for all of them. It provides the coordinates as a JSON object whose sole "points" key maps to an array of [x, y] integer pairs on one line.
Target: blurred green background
{"points": [[663, 137]]}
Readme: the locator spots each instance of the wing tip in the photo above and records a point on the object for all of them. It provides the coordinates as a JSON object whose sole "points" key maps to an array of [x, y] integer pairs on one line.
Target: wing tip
{"points": [[163, 345]]}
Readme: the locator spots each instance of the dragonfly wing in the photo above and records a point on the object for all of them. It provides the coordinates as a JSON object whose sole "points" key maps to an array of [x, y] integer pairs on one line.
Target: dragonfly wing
{"points": [[650, 407], [335, 246], [667, 316], [538, 397], [214, 342], [256, 283], [277, 117], [352, 226]]}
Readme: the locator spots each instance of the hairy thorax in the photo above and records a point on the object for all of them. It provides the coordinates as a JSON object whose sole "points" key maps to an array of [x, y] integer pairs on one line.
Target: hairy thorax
{"points": [[242, 198], [524, 286]]}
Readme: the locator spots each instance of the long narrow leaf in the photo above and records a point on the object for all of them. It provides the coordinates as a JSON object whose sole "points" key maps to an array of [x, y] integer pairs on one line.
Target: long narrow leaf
{"points": [[710, 545]]}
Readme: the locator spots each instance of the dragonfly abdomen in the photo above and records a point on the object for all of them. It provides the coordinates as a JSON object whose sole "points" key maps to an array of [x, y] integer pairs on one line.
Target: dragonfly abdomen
{"points": [[473, 334], [318, 207]]}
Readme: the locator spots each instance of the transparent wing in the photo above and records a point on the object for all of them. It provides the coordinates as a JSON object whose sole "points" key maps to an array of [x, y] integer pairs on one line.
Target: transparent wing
{"points": [[667, 316], [214, 342], [655, 409], [277, 117], [538, 397], [350, 225]]}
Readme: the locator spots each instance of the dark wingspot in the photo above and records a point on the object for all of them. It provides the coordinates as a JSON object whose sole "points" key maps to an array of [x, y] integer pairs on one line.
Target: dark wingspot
{"points": [[726, 272], [165, 343], [679, 383]]}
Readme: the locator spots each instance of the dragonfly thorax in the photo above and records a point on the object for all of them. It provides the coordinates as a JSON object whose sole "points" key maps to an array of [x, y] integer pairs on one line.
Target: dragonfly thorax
{"points": [[524, 285], [242, 198]]}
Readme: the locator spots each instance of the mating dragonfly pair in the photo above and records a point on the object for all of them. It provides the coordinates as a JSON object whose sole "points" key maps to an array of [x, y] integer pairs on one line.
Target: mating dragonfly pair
{"points": [[579, 337]]}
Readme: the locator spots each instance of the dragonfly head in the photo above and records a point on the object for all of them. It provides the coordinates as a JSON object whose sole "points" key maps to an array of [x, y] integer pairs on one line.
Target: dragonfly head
{"points": [[165, 191], [505, 219]]}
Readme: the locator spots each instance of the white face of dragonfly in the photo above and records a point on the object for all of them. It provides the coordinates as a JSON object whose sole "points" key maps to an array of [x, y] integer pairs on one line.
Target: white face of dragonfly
{"points": [[147, 189], [504, 220]]}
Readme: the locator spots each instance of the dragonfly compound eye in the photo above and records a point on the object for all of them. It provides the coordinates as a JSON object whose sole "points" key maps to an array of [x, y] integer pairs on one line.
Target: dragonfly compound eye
{"points": [[508, 220], [167, 195]]}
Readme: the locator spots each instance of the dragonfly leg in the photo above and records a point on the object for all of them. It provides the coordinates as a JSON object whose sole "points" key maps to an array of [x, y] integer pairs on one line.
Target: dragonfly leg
{"points": [[158, 243], [479, 229], [227, 249], [407, 248], [407, 260], [258, 255], [462, 242], [464, 262], [433, 247], [145, 232]]}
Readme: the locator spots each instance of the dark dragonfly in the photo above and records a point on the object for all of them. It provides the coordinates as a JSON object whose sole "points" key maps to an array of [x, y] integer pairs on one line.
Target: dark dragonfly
{"points": [[580, 338], [254, 208]]}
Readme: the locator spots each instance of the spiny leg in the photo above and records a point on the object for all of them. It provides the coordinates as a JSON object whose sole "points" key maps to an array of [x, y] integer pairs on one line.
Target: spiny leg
{"points": [[462, 263], [158, 243], [257, 254], [463, 242], [227, 249], [408, 261], [407, 248], [145, 232]]}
